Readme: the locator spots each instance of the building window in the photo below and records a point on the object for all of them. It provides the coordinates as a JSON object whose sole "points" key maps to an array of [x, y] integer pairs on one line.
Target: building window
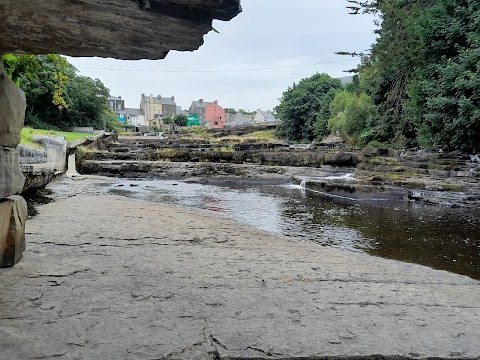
{"points": [[215, 123]]}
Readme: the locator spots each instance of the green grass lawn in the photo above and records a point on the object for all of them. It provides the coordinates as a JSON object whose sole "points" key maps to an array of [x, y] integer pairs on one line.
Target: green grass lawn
{"points": [[28, 133]]}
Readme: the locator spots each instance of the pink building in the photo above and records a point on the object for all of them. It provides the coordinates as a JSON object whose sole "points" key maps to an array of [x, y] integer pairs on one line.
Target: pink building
{"points": [[214, 116]]}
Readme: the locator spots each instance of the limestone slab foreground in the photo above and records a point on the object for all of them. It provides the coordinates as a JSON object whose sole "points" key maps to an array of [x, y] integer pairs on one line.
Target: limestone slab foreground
{"points": [[112, 278], [13, 214], [12, 110]]}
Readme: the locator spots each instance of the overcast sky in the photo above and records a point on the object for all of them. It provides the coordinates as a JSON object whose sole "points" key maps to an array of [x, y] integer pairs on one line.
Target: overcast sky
{"points": [[267, 34]]}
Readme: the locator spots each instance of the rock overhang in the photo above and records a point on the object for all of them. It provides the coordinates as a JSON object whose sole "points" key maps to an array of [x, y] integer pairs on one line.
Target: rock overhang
{"points": [[122, 29]]}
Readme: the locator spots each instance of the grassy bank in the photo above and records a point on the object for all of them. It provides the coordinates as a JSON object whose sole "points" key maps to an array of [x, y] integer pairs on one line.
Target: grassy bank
{"points": [[29, 133]]}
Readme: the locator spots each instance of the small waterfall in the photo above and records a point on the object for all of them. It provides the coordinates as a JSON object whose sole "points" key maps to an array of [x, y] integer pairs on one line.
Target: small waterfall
{"points": [[72, 169], [344, 177], [303, 184]]}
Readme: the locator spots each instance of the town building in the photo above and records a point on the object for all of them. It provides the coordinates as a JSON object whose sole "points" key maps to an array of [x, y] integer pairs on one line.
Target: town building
{"points": [[193, 120], [117, 104], [157, 107], [136, 117], [238, 119], [198, 108], [263, 117], [214, 116]]}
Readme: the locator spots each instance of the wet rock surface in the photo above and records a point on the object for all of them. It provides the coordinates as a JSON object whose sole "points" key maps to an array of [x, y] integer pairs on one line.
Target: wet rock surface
{"points": [[446, 179], [13, 214], [162, 282], [202, 171]]}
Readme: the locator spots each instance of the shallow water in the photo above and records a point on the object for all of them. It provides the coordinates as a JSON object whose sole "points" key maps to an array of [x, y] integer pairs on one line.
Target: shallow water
{"points": [[438, 237]]}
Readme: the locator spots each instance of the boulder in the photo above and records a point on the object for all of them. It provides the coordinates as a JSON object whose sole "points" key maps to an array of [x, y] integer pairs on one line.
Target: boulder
{"points": [[12, 111], [340, 158], [13, 214], [11, 177]]}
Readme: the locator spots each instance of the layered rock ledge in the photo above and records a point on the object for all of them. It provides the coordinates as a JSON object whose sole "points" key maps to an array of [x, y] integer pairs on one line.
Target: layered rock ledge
{"points": [[124, 29]]}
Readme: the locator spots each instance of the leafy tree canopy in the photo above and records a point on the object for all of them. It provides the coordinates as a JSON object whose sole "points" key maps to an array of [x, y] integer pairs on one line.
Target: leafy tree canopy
{"points": [[423, 72], [180, 120], [304, 104], [57, 98]]}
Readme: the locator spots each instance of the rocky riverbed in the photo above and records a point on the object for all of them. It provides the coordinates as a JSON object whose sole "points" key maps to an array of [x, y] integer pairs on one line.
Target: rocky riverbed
{"points": [[434, 178], [117, 278]]}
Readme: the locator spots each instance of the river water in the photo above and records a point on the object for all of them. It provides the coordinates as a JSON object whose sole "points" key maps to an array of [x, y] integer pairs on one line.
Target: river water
{"points": [[438, 237]]}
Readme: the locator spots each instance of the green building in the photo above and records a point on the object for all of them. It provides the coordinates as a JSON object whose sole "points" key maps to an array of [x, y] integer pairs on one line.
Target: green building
{"points": [[193, 120]]}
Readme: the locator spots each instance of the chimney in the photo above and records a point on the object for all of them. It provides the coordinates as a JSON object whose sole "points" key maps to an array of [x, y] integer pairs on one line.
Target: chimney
{"points": [[216, 102], [259, 110], [173, 98], [159, 97], [201, 101]]}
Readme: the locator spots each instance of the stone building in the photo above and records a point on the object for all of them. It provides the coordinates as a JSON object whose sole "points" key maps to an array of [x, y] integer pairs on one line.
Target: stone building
{"points": [[136, 117], [157, 107], [263, 117], [198, 108], [117, 104], [214, 116]]}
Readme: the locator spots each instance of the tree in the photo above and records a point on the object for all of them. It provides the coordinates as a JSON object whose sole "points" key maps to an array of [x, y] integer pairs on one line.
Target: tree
{"points": [[446, 92], [231, 111], [180, 120], [110, 121], [88, 100], [303, 103], [45, 89], [57, 98], [18, 65], [167, 120], [350, 113], [422, 72]]}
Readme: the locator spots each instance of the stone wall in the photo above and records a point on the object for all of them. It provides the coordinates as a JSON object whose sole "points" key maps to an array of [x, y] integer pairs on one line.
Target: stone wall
{"points": [[13, 209]]}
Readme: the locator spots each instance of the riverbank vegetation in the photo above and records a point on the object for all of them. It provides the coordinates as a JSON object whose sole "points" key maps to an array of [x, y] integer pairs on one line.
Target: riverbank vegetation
{"points": [[57, 97], [418, 86]]}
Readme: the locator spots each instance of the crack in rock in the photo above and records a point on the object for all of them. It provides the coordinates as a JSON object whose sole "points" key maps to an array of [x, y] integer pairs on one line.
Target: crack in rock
{"points": [[58, 275]]}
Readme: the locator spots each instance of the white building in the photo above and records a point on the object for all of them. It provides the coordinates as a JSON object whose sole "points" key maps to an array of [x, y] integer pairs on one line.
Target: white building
{"points": [[238, 119], [263, 117], [136, 117]]}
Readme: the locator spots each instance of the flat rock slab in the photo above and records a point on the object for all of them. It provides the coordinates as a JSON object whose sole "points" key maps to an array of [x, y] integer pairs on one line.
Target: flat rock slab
{"points": [[114, 278]]}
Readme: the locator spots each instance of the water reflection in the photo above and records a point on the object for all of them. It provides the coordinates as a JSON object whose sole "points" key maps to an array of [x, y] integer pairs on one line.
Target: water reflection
{"points": [[439, 237]]}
